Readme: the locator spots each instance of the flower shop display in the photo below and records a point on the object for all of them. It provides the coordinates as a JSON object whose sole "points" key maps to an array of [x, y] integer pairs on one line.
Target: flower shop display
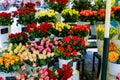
{"points": [[46, 16], [17, 38], [60, 29], [25, 14], [38, 31], [70, 15], [69, 50], [100, 36], [80, 30], [88, 16], [5, 27], [114, 59], [10, 63], [57, 5], [47, 74]]}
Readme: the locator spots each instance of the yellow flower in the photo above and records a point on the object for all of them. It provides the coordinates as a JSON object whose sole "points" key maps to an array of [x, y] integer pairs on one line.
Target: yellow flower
{"points": [[12, 62], [1, 60]]}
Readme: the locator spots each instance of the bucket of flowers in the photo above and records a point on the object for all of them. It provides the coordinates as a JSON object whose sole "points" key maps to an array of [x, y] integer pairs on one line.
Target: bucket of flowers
{"points": [[25, 14], [69, 50], [64, 73], [60, 29], [70, 15], [46, 16], [38, 31], [9, 65], [17, 38]]}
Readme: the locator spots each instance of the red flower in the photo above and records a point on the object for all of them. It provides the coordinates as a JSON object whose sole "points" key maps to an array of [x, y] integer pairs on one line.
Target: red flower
{"points": [[69, 47], [61, 48], [68, 54], [83, 42], [66, 39], [64, 53], [1, 78], [71, 31], [60, 71], [52, 0], [74, 53]]}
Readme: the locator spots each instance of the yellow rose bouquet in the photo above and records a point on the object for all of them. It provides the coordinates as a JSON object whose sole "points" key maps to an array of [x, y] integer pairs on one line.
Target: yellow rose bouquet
{"points": [[100, 32], [70, 15], [10, 63], [61, 29], [46, 16]]}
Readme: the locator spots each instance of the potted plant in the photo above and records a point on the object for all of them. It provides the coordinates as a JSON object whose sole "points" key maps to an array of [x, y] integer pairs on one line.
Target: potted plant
{"points": [[68, 51], [80, 30], [38, 31], [114, 59], [25, 15], [70, 15], [46, 16], [17, 38], [60, 29], [9, 65]]}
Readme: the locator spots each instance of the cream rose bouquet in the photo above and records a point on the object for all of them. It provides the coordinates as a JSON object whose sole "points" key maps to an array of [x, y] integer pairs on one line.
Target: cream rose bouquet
{"points": [[46, 16]]}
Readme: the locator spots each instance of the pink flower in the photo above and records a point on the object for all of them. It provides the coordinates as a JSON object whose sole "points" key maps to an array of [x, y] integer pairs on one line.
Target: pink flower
{"points": [[48, 49], [56, 42], [18, 76], [32, 49], [27, 46], [46, 73], [42, 75], [118, 76], [46, 78], [23, 75], [41, 71], [41, 79], [34, 64], [75, 42], [23, 67], [42, 43], [33, 42]]}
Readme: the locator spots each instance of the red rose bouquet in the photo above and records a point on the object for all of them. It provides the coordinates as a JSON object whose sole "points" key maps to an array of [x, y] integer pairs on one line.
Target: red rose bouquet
{"points": [[80, 30], [17, 38], [25, 14], [57, 5], [38, 31], [5, 19], [71, 45], [88, 16]]}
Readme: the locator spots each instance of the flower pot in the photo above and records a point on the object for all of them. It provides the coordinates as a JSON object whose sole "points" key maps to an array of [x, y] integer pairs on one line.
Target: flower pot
{"points": [[100, 47], [63, 61], [4, 31], [4, 75], [114, 68], [93, 29]]}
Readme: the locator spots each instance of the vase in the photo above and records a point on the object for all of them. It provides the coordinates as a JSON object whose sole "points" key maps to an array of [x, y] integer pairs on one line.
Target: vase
{"points": [[4, 75], [93, 30], [100, 47], [75, 75], [4, 31], [63, 61], [114, 68]]}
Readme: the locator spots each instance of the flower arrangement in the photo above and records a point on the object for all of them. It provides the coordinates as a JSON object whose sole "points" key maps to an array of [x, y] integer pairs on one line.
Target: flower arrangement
{"points": [[10, 63], [38, 31], [5, 19], [100, 32], [57, 5], [70, 47], [101, 15], [47, 74], [25, 14], [61, 29], [116, 10], [18, 37], [80, 30], [46, 16], [114, 55], [88, 16], [70, 15]]}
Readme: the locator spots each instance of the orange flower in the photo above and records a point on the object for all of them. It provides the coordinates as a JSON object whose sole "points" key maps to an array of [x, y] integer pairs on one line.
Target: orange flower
{"points": [[111, 46], [12, 62], [113, 56], [7, 65]]}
